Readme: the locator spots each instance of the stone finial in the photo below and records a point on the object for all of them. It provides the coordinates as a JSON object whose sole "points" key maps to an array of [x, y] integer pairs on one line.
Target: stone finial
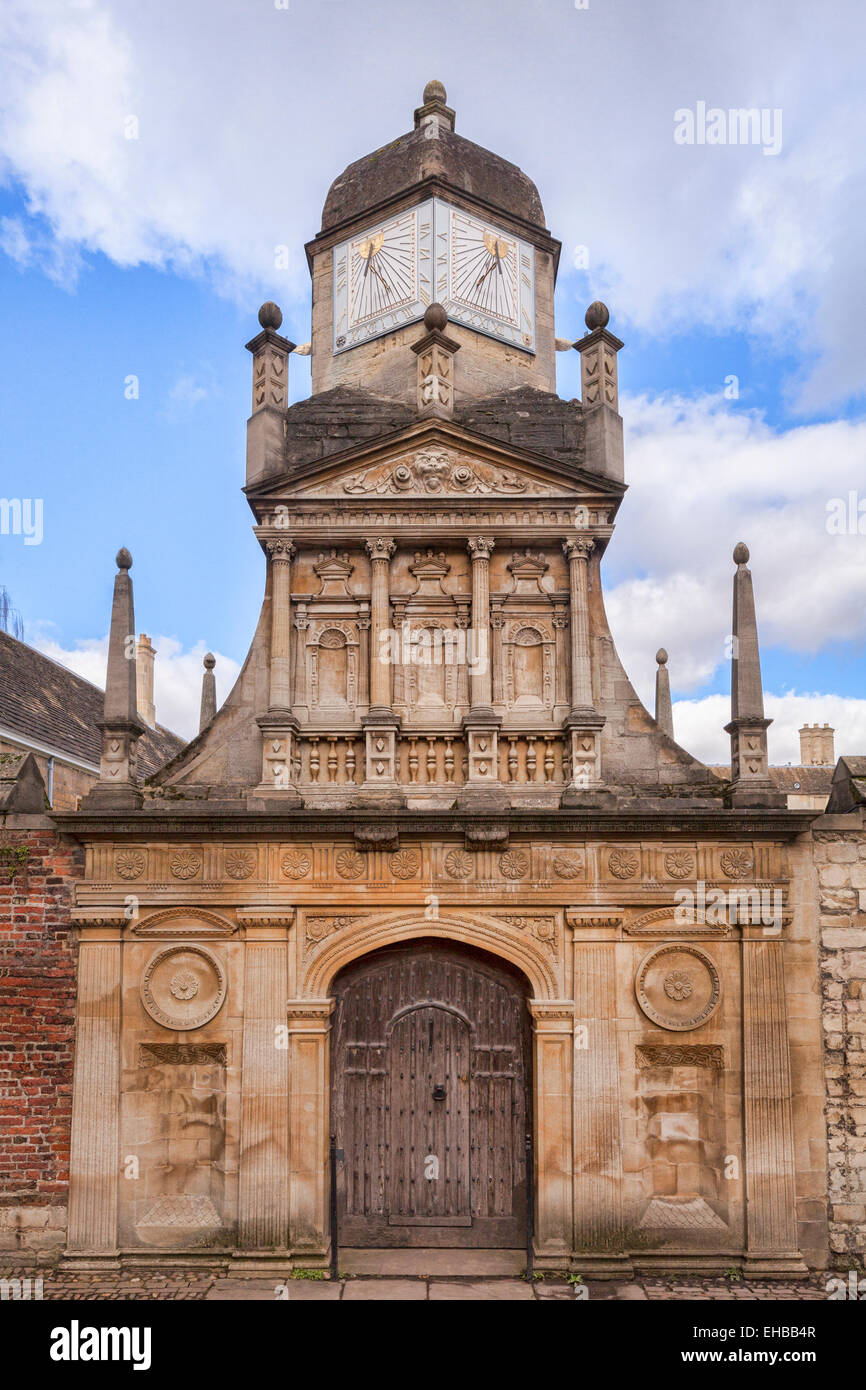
{"points": [[208, 692], [145, 660], [265, 427], [270, 315], [121, 726], [597, 315], [435, 352], [664, 708], [750, 776], [434, 114]]}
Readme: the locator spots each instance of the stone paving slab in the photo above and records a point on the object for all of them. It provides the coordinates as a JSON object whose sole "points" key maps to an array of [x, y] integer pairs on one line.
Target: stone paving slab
{"points": [[221, 1288]]}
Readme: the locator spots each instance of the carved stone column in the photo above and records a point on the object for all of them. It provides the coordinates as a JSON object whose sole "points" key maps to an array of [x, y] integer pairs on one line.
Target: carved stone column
{"points": [[481, 724], [582, 721], [364, 655], [598, 1208], [381, 724], [279, 726], [263, 1187], [552, 1040], [95, 1157], [309, 1023], [496, 621], [560, 628], [771, 1221]]}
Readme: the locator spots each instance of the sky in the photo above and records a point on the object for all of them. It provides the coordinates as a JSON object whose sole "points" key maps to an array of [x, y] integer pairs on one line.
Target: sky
{"points": [[162, 165]]}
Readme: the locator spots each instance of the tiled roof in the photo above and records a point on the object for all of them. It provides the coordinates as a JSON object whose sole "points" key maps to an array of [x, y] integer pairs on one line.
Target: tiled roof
{"points": [[48, 704], [808, 781]]}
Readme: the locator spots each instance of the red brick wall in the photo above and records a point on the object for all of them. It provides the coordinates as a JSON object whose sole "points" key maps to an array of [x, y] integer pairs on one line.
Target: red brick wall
{"points": [[37, 1011]]}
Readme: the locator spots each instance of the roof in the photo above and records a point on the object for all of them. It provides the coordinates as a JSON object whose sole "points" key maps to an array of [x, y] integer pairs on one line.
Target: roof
{"points": [[849, 785], [807, 781], [43, 702], [412, 158]]}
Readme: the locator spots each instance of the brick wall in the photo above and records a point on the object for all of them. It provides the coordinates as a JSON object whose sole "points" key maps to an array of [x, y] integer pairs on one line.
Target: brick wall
{"points": [[37, 1010], [840, 858]]}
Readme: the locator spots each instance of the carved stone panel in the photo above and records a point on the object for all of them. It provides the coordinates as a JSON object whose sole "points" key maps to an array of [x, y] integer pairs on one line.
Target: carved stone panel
{"points": [[183, 987], [678, 987]]}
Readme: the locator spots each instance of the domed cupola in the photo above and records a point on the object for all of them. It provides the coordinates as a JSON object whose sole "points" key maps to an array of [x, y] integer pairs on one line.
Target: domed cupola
{"points": [[433, 218]]}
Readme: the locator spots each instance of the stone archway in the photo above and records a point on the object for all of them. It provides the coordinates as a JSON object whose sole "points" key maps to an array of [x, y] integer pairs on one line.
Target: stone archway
{"points": [[430, 1097]]}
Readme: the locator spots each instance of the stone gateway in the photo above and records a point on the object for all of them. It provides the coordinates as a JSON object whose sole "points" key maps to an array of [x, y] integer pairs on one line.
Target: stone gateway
{"points": [[418, 883]]}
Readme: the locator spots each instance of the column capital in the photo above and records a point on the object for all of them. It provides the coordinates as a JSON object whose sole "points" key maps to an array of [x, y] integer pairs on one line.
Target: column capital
{"points": [[577, 547], [480, 547], [380, 547], [280, 548]]}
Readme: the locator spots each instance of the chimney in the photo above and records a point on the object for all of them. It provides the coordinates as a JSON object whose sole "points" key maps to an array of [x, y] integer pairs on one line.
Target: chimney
{"points": [[664, 711], [145, 656], [816, 746]]}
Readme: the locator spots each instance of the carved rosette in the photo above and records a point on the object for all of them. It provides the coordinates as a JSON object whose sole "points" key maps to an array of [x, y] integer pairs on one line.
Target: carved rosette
{"points": [[458, 863], [130, 863], [296, 863], [185, 864], [737, 863], [350, 864], [405, 863], [514, 864], [568, 866], [183, 987], [240, 863], [623, 863], [678, 986]]}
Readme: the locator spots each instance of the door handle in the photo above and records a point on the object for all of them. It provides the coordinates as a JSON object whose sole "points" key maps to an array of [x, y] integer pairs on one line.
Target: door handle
{"points": [[439, 1092]]}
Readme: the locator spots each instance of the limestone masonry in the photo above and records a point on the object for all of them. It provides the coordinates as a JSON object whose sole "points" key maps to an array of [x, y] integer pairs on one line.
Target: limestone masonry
{"points": [[432, 902]]}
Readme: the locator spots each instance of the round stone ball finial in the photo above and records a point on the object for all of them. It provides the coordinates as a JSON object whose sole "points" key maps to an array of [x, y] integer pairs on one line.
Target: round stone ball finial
{"points": [[434, 91], [435, 317], [597, 315], [741, 553], [123, 559], [661, 656], [270, 315], [209, 661]]}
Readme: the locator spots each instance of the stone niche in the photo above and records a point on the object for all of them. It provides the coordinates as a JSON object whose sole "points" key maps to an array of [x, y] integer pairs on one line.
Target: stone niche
{"points": [[681, 1096], [172, 1189]]}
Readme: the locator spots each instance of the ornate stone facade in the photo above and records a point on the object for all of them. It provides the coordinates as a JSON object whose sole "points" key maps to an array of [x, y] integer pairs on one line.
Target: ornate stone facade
{"points": [[433, 740]]}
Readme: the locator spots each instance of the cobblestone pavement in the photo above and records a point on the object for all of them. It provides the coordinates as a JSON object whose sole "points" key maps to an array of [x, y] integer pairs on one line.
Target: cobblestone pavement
{"points": [[210, 1287]]}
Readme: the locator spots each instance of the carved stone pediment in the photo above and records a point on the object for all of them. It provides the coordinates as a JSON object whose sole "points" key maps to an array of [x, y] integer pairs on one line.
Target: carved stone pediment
{"points": [[434, 472], [187, 922]]}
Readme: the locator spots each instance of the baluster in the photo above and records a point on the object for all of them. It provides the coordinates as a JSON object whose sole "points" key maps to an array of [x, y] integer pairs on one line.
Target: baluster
{"points": [[413, 760], [314, 759], [549, 758], [350, 760], [431, 759], [332, 757], [530, 758], [449, 760], [512, 757]]}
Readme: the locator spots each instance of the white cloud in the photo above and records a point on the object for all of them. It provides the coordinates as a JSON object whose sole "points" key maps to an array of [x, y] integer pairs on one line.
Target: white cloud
{"points": [[177, 674], [245, 114], [703, 475], [699, 724]]}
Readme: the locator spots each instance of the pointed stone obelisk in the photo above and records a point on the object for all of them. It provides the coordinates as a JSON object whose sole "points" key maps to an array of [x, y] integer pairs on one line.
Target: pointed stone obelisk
{"points": [[664, 709], [117, 788], [208, 692], [750, 777]]}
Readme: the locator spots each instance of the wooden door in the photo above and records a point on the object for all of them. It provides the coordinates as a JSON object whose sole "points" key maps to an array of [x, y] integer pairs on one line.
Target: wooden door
{"points": [[429, 1064]]}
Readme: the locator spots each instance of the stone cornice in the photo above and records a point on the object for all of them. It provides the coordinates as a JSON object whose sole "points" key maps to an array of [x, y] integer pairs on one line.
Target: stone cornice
{"points": [[555, 824]]}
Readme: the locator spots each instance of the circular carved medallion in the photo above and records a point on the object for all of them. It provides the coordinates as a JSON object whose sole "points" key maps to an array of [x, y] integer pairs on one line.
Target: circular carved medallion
{"points": [[183, 987], [623, 864], [350, 864], [240, 863], [130, 863], [678, 987], [679, 864], [185, 863], [568, 865], [405, 863], [296, 863], [458, 863], [737, 863], [513, 864]]}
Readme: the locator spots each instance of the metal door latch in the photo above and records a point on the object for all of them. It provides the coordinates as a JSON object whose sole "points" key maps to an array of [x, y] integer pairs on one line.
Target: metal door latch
{"points": [[439, 1092]]}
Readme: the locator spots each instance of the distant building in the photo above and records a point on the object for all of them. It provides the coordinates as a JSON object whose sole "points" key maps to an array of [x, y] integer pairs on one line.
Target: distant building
{"points": [[51, 712]]}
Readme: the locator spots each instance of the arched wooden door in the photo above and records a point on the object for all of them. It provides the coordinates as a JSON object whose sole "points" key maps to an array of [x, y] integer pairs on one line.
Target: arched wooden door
{"points": [[430, 1107]]}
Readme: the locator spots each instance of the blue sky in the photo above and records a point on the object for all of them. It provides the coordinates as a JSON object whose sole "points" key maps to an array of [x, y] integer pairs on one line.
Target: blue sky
{"points": [[148, 257]]}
